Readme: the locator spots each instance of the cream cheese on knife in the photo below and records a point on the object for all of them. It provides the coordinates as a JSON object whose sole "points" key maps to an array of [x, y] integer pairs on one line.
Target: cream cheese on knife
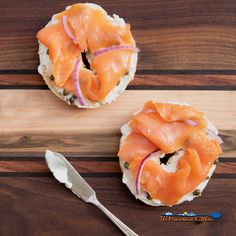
{"points": [[57, 167]]}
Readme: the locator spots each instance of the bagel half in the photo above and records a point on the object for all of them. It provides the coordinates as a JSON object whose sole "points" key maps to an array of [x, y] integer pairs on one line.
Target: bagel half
{"points": [[130, 180], [45, 69]]}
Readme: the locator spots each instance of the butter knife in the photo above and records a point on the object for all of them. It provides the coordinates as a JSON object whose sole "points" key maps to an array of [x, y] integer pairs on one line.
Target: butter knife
{"points": [[65, 173]]}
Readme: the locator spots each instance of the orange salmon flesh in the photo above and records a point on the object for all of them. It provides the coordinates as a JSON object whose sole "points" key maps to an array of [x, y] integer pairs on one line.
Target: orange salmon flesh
{"points": [[92, 30], [163, 126]]}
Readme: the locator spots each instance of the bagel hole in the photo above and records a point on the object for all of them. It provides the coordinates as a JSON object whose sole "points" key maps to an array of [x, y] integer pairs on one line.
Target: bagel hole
{"points": [[85, 60], [166, 158]]}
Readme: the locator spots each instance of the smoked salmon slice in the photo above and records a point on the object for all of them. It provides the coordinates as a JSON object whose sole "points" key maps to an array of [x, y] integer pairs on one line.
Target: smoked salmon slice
{"points": [[62, 52], [162, 129], [87, 29]]}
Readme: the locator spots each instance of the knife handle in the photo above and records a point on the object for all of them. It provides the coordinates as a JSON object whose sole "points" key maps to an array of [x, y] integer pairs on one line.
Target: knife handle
{"points": [[124, 228]]}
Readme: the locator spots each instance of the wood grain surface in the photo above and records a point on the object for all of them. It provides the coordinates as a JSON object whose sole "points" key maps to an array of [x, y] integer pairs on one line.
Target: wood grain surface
{"points": [[225, 166], [141, 81], [41, 206], [177, 34], [37, 111], [188, 54]]}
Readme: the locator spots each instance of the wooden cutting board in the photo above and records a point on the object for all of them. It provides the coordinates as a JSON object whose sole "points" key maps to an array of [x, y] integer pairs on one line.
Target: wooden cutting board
{"points": [[187, 55]]}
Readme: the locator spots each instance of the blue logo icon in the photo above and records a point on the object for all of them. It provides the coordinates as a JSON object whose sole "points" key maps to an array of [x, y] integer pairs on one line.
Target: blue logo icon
{"points": [[216, 215]]}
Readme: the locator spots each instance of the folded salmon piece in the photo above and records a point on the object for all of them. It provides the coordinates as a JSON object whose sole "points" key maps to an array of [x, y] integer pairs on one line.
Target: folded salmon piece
{"points": [[168, 157], [104, 46]]}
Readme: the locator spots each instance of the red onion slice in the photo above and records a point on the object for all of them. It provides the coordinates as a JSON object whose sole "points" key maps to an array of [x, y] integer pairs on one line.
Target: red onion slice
{"points": [[78, 66], [191, 122], [209, 132], [67, 29], [212, 135], [149, 110], [140, 169], [117, 47]]}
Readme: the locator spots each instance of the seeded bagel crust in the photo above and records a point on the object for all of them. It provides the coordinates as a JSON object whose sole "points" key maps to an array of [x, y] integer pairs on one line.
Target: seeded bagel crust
{"points": [[45, 69], [129, 180]]}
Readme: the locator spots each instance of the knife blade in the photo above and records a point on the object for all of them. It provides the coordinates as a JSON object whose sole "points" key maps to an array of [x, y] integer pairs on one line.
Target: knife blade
{"points": [[65, 173]]}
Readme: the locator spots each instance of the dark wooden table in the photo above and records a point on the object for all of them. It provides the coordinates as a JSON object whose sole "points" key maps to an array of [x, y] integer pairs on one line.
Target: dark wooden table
{"points": [[188, 53]]}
